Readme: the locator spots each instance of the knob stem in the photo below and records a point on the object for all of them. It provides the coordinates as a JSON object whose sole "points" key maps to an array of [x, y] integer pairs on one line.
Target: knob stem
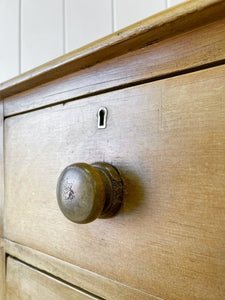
{"points": [[113, 189]]}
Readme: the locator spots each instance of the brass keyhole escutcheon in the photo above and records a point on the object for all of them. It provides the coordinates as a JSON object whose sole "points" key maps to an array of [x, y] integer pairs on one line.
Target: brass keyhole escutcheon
{"points": [[86, 192]]}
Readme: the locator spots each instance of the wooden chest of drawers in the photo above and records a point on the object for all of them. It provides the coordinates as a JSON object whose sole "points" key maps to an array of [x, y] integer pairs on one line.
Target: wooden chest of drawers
{"points": [[162, 85]]}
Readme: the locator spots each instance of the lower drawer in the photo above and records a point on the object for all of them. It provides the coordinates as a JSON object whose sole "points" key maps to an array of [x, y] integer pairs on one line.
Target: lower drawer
{"points": [[24, 282]]}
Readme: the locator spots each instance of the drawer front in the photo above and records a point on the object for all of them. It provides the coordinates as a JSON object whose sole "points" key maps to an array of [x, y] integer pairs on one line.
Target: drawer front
{"points": [[167, 139], [24, 282]]}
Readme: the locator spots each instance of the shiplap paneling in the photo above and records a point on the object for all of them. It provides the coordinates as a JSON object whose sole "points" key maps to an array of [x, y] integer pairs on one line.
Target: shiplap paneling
{"points": [[174, 2], [86, 21], [9, 37], [41, 32], [127, 12]]}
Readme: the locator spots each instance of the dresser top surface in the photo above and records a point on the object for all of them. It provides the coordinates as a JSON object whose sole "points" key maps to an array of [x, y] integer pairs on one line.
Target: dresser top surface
{"points": [[178, 19]]}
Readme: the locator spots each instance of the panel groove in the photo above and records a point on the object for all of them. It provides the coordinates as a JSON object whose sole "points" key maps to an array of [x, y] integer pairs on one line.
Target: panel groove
{"points": [[53, 276]]}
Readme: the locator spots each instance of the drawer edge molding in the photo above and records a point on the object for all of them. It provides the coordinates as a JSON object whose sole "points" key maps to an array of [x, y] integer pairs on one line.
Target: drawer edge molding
{"points": [[87, 280], [23, 281]]}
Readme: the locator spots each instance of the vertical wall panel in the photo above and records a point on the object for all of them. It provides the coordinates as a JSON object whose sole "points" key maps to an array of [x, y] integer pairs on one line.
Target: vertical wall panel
{"points": [[86, 21], [127, 12], [41, 32], [9, 37], [48, 29], [174, 2]]}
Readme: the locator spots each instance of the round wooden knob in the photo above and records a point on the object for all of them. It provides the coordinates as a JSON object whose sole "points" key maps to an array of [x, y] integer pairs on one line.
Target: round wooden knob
{"points": [[86, 192]]}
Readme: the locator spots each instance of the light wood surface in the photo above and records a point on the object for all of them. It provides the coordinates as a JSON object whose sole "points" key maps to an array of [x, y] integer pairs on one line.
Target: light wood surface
{"points": [[1, 169], [167, 139], [24, 282], [2, 270], [201, 47], [178, 19], [92, 282]]}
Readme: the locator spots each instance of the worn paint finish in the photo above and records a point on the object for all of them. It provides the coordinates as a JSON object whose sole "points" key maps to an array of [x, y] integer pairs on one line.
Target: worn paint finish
{"points": [[167, 140]]}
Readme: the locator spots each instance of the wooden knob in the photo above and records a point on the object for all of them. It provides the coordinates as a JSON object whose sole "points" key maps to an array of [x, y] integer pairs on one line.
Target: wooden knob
{"points": [[86, 192]]}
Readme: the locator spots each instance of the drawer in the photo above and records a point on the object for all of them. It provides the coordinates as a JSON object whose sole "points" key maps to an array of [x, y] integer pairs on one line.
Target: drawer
{"points": [[167, 140], [24, 282]]}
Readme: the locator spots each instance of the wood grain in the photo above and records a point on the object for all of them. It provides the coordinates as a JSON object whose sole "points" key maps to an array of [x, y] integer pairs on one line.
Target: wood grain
{"points": [[167, 139], [2, 270], [24, 282], [184, 52], [92, 282], [178, 19], [1, 169]]}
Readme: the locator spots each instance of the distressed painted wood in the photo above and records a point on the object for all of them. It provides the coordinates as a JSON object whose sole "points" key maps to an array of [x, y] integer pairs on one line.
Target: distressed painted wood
{"points": [[167, 139], [162, 81]]}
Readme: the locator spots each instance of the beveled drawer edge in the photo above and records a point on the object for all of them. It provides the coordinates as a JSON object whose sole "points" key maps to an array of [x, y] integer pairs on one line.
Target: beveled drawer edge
{"points": [[42, 275], [86, 280], [181, 18]]}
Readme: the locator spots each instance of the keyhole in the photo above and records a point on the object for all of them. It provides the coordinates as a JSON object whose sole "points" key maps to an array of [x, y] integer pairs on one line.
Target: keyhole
{"points": [[102, 116]]}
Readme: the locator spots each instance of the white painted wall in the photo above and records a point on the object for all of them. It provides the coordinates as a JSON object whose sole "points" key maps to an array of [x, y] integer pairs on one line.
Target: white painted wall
{"points": [[32, 32]]}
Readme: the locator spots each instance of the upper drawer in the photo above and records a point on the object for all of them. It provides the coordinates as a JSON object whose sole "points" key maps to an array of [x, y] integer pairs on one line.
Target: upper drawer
{"points": [[167, 139]]}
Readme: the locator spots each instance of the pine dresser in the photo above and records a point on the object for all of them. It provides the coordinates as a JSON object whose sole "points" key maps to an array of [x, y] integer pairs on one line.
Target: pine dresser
{"points": [[112, 166]]}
